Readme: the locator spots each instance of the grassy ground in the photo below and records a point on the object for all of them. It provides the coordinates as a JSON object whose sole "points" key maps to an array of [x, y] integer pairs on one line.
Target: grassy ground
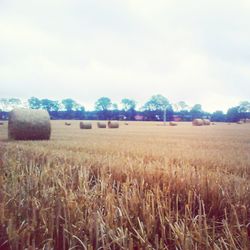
{"points": [[142, 186]]}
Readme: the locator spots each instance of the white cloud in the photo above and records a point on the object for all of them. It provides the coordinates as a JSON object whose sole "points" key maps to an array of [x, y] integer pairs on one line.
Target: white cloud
{"points": [[196, 51]]}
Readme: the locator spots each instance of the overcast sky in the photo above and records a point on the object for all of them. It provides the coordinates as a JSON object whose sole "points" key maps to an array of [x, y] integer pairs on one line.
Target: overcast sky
{"points": [[197, 50]]}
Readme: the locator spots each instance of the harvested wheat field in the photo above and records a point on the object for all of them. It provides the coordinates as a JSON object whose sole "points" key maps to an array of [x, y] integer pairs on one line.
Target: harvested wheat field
{"points": [[141, 186]]}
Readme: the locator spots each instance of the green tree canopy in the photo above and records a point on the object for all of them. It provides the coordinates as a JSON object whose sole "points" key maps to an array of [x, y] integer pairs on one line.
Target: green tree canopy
{"points": [[157, 102], [71, 105], [128, 104], [34, 103], [50, 105], [103, 103]]}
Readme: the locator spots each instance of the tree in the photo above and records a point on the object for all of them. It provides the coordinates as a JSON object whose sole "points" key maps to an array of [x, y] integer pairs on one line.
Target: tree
{"points": [[244, 110], [196, 111], [157, 102], [8, 104], [103, 104], [14, 102], [157, 107], [244, 106], [34, 103], [233, 114], [218, 116], [128, 104], [4, 104], [70, 105], [50, 105], [128, 111], [180, 106]]}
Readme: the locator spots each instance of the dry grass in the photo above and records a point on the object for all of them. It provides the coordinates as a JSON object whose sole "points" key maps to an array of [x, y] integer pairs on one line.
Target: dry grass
{"points": [[140, 187]]}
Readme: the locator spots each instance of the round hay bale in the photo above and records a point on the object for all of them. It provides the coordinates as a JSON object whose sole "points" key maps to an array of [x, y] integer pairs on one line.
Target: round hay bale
{"points": [[67, 123], [240, 122], [126, 123], [29, 124], [101, 125], [113, 124], [173, 123], [213, 123], [206, 122], [1, 123], [85, 125], [198, 122]]}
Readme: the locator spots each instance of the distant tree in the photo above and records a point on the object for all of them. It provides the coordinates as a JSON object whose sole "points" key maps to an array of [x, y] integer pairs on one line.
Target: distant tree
{"points": [[180, 106], [14, 102], [128, 108], [34, 103], [70, 105], [114, 106], [103, 104], [49, 105], [103, 107], [244, 110], [4, 104], [196, 111], [218, 116], [244, 106], [157, 108], [233, 114], [8, 104], [128, 104], [157, 102]]}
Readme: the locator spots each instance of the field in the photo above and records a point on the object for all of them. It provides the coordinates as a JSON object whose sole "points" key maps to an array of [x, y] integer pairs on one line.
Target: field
{"points": [[142, 186]]}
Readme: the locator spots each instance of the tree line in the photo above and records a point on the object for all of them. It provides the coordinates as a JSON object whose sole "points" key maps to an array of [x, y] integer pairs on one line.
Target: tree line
{"points": [[157, 108]]}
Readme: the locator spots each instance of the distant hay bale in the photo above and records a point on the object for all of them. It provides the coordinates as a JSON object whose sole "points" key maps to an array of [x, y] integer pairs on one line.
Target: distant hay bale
{"points": [[1, 123], [173, 123], [206, 122], [101, 125], [240, 122], [213, 123], [67, 123], [85, 125], [198, 122], [126, 123], [29, 124], [113, 124]]}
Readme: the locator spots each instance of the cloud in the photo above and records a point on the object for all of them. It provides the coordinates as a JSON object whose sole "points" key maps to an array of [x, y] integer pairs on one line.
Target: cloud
{"points": [[196, 51]]}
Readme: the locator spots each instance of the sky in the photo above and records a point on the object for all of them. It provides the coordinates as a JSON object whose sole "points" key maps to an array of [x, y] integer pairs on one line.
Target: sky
{"points": [[196, 51]]}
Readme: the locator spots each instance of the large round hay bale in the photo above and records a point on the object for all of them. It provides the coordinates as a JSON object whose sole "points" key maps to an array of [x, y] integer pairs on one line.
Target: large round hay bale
{"points": [[1, 123], [67, 124], [197, 122], [85, 125], [113, 124], [173, 123], [206, 122], [29, 124], [101, 125]]}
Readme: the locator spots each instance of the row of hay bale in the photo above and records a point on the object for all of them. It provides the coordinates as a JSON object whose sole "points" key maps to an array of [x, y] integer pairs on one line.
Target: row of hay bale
{"points": [[88, 125], [31, 124], [195, 122], [201, 122]]}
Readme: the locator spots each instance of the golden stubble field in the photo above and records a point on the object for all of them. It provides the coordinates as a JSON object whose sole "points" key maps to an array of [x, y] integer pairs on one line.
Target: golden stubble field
{"points": [[142, 186]]}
